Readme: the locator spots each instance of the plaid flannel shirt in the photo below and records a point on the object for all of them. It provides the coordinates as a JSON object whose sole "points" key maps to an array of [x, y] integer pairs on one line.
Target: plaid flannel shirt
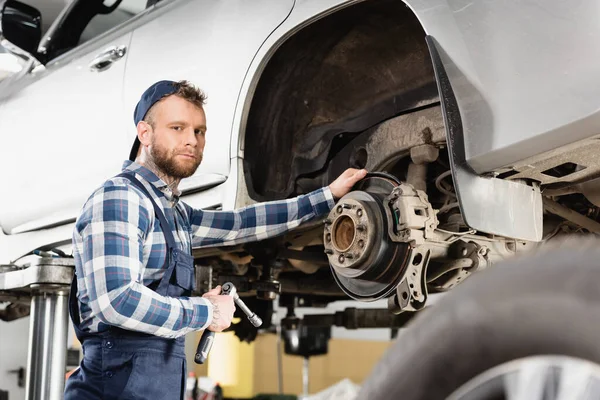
{"points": [[119, 250]]}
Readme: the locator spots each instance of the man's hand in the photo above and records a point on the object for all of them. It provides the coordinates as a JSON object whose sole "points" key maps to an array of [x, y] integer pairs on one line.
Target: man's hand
{"points": [[342, 185], [223, 309]]}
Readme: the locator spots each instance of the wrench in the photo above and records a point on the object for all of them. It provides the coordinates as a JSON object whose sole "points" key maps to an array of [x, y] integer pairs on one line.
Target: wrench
{"points": [[207, 339]]}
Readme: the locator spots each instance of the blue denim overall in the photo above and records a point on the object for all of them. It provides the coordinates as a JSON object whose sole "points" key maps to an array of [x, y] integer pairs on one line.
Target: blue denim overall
{"points": [[123, 364]]}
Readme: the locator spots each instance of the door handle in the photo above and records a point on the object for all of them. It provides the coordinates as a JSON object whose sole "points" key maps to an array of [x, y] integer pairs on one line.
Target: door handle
{"points": [[104, 60], [20, 376]]}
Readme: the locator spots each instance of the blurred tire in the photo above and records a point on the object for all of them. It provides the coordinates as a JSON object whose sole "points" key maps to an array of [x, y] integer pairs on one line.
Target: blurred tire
{"points": [[547, 303]]}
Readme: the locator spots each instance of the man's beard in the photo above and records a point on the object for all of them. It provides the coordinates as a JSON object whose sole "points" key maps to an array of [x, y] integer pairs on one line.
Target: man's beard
{"points": [[166, 162]]}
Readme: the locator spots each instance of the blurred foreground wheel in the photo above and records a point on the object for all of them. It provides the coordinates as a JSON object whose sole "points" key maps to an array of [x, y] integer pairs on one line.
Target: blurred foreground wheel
{"points": [[535, 378], [530, 324]]}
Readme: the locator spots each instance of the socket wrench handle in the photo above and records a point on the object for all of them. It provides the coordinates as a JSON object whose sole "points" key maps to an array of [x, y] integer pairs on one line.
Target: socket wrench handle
{"points": [[229, 289], [254, 319], [204, 346], [208, 337]]}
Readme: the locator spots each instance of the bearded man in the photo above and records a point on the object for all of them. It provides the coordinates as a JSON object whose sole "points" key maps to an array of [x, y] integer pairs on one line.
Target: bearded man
{"points": [[131, 299]]}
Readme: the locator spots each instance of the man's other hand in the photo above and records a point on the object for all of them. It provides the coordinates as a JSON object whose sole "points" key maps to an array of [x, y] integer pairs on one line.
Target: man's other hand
{"points": [[223, 309], [342, 185]]}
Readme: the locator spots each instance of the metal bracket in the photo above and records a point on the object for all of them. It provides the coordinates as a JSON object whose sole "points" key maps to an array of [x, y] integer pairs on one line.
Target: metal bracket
{"points": [[411, 294], [44, 272]]}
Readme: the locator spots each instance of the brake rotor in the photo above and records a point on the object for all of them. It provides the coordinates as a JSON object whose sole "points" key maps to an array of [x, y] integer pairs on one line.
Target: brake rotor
{"points": [[366, 264]]}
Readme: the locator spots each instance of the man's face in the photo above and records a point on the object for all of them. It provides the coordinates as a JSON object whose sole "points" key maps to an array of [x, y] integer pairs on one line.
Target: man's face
{"points": [[178, 136]]}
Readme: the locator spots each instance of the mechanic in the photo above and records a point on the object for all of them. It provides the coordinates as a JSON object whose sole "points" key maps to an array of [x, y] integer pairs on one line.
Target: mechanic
{"points": [[130, 301]]}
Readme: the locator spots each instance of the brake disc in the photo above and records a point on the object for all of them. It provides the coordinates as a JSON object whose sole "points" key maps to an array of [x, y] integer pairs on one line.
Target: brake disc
{"points": [[365, 262]]}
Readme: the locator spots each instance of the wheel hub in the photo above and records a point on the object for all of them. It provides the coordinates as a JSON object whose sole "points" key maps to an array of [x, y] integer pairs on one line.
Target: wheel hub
{"points": [[366, 264]]}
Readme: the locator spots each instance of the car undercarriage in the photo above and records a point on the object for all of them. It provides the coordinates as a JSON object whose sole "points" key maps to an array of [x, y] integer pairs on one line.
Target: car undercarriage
{"points": [[398, 235]]}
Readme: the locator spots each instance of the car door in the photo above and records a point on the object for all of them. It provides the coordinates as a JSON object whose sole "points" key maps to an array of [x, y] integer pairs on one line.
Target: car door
{"points": [[62, 123]]}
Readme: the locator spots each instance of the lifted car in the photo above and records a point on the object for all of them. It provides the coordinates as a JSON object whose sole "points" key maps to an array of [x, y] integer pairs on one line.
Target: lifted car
{"points": [[477, 121]]}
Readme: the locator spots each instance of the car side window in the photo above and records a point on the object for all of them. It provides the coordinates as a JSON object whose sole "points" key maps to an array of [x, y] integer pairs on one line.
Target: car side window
{"points": [[101, 23], [83, 20]]}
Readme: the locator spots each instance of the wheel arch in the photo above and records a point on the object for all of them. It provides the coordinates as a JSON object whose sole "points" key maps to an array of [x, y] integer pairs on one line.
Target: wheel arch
{"points": [[337, 74]]}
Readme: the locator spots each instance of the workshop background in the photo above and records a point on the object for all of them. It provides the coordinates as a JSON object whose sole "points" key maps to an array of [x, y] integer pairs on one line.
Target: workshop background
{"points": [[243, 370]]}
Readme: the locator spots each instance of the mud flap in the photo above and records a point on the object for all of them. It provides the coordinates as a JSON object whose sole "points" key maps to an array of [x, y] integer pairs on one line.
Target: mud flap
{"points": [[490, 205]]}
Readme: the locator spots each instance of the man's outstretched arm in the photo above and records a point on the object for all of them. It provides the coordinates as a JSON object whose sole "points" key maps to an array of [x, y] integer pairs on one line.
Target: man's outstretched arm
{"points": [[263, 220]]}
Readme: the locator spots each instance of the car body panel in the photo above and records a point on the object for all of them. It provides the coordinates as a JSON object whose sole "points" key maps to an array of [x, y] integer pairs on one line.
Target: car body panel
{"points": [[71, 99], [518, 206], [521, 71], [496, 206], [304, 13], [17, 247], [219, 73], [56, 132], [523, 77], [500, 91], [215, 184]]}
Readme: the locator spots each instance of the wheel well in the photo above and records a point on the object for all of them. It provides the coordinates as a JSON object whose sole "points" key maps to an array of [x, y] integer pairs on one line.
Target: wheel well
{"points": [[325, 85]]}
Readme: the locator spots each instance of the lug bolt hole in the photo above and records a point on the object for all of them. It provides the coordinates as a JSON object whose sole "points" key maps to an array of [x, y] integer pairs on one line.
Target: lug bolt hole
{"points": [[418, 258]]}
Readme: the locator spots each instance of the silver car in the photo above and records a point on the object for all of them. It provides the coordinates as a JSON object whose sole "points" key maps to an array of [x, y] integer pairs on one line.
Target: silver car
{"points": [[477, 120]]}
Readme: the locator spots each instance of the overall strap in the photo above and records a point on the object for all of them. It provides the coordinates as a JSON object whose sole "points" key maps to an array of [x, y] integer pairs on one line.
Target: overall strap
{"points": [[172, 247], [171, 244]]}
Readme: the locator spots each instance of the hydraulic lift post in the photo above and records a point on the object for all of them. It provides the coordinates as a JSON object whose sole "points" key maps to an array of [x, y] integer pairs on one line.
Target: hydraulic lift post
{"points": [[46, 281]]}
